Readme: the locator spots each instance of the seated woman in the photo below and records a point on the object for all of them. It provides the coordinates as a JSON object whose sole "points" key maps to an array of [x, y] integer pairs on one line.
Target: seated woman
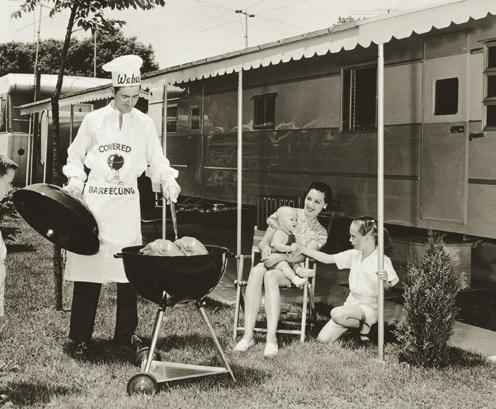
{"points": [[310, 234], [360, 308]]}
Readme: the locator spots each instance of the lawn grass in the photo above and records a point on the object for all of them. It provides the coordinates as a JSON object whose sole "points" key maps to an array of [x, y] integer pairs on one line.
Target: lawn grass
{"points": [[38, 372]]}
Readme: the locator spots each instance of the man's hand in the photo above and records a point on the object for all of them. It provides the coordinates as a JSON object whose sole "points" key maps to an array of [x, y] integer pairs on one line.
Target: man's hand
{"points": [[171, 190], [74, 187]]}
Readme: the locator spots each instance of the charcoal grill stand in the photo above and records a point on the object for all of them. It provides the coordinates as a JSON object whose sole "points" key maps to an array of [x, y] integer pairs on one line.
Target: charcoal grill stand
{"points": [[154, 372]]}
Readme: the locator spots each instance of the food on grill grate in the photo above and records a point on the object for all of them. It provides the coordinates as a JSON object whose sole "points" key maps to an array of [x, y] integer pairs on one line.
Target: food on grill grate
{"points": [[185, 246], [161, 248], [191, 246]]}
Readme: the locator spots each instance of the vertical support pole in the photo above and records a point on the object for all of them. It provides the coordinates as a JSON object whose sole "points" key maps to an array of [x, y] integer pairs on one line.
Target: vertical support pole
{"points": [[216, 341], [380, 194], [156, 331], [94, 53], [240, 162], [71, 125], [28, 159], [164, 148]]}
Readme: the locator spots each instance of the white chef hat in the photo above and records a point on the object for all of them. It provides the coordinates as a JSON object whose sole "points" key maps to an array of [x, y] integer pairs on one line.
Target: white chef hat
{"points": [[125, 70]]}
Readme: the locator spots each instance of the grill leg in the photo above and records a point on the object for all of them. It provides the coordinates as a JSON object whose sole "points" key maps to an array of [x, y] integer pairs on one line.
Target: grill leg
{"points": [[156, 330], [217, 344]]}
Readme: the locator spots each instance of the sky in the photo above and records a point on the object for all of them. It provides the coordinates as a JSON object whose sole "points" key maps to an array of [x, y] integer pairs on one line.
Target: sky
{"points": [[188, 30]]}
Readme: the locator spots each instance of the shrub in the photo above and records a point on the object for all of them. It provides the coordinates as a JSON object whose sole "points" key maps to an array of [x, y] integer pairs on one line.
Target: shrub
{"points": [[8, 211], [431, 287]]}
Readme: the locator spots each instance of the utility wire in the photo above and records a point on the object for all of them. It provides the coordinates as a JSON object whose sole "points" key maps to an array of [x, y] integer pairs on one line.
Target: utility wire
{"points": [[214, 5], [274, 20], [254, 4], [220, 26], [280, 7], [29, 25], [206, 20]]}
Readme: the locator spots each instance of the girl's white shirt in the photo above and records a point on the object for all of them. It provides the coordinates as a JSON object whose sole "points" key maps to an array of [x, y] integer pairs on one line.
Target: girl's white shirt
{"points": [[363, 279]]}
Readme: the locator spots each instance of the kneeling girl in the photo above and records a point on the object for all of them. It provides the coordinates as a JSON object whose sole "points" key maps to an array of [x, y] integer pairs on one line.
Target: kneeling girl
{"points": [[360, 308]]}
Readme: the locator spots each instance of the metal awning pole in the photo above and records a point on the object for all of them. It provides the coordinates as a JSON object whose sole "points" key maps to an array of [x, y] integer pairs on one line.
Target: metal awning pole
{"points": [[240, 162], [380, 194], [28, 159], [71, 125], [164, 148]]}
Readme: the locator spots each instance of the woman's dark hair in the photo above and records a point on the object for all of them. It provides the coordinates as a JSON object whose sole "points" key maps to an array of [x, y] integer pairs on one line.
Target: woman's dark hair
{"points": [[367, 225], [321, 187]]}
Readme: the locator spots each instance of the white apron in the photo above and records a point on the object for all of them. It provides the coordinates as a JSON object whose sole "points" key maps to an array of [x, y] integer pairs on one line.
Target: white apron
{"points": [[111, 194]]}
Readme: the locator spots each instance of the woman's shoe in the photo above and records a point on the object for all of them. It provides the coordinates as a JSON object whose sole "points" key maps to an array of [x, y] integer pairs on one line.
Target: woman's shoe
{"points": [[270, 350], [243, 345]]}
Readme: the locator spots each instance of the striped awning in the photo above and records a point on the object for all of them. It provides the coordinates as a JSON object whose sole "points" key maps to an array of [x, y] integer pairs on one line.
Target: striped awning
{"points": [[347, 36]]}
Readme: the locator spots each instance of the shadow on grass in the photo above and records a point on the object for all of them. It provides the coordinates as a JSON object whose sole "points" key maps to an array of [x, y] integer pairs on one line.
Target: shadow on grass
{"points": [[20, 248], [28, 394], [167, 342], [458, 358], [104, 352], [245, 377]]}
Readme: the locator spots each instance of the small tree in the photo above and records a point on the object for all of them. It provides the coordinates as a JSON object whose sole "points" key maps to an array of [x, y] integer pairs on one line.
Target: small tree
{"points": [[8, 211], [430, 308]]}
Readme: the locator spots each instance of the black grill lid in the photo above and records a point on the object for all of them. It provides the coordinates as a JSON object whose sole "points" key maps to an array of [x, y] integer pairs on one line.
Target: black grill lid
{"points": [[59, 217]]}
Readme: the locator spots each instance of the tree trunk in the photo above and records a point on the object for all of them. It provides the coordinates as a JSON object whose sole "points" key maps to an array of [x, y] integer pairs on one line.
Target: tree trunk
{"points": [[56, 177]]}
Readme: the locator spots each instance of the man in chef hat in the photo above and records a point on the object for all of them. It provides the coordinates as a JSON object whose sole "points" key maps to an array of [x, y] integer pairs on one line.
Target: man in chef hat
{"points": [[117, 143]]}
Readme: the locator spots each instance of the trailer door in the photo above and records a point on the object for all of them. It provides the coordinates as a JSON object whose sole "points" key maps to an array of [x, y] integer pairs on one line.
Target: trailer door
{"points": [[444, 153]]}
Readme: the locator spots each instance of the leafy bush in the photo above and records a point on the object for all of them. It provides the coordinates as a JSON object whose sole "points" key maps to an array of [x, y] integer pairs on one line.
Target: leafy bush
{"points": [[8, 211], [430, 308]]}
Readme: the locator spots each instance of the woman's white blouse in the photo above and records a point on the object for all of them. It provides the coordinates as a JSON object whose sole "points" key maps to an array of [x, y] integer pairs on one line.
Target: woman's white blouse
{"points": [[363, 278], [307, 232]]}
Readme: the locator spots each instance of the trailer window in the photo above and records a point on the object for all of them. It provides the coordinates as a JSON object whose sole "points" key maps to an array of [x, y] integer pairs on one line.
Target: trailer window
{"points": [[359, 99], [195, 117], [264, 111], [490, 86], [172, 118], [491, 56], [491, 116], [446, 97]]}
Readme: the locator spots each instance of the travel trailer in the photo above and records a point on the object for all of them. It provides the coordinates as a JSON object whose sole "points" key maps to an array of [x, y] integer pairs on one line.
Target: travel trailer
{"points": [[16, 130], [309, 111], [306, 108]]}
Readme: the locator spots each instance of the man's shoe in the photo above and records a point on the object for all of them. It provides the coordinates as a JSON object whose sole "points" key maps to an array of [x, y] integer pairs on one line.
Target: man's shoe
{"points": [[136, 342], [81, 350]]}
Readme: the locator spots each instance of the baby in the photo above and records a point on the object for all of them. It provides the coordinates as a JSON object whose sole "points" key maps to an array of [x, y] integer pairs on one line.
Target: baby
{"points": [[283, 241], [7, 171]]}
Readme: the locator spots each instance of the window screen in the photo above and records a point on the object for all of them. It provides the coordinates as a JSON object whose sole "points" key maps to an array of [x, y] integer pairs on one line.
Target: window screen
{"points": [[264, 107], [446, 97], [359, 99]]}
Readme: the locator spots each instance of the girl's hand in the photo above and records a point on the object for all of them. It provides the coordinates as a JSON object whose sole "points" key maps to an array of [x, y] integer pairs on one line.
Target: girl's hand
{"points": [[382, 275], [298, 249], [293, 247]]}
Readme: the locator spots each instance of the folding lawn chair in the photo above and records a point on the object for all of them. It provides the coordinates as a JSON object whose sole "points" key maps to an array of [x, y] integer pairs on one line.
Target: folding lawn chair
{"points": [[308, 308]]}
